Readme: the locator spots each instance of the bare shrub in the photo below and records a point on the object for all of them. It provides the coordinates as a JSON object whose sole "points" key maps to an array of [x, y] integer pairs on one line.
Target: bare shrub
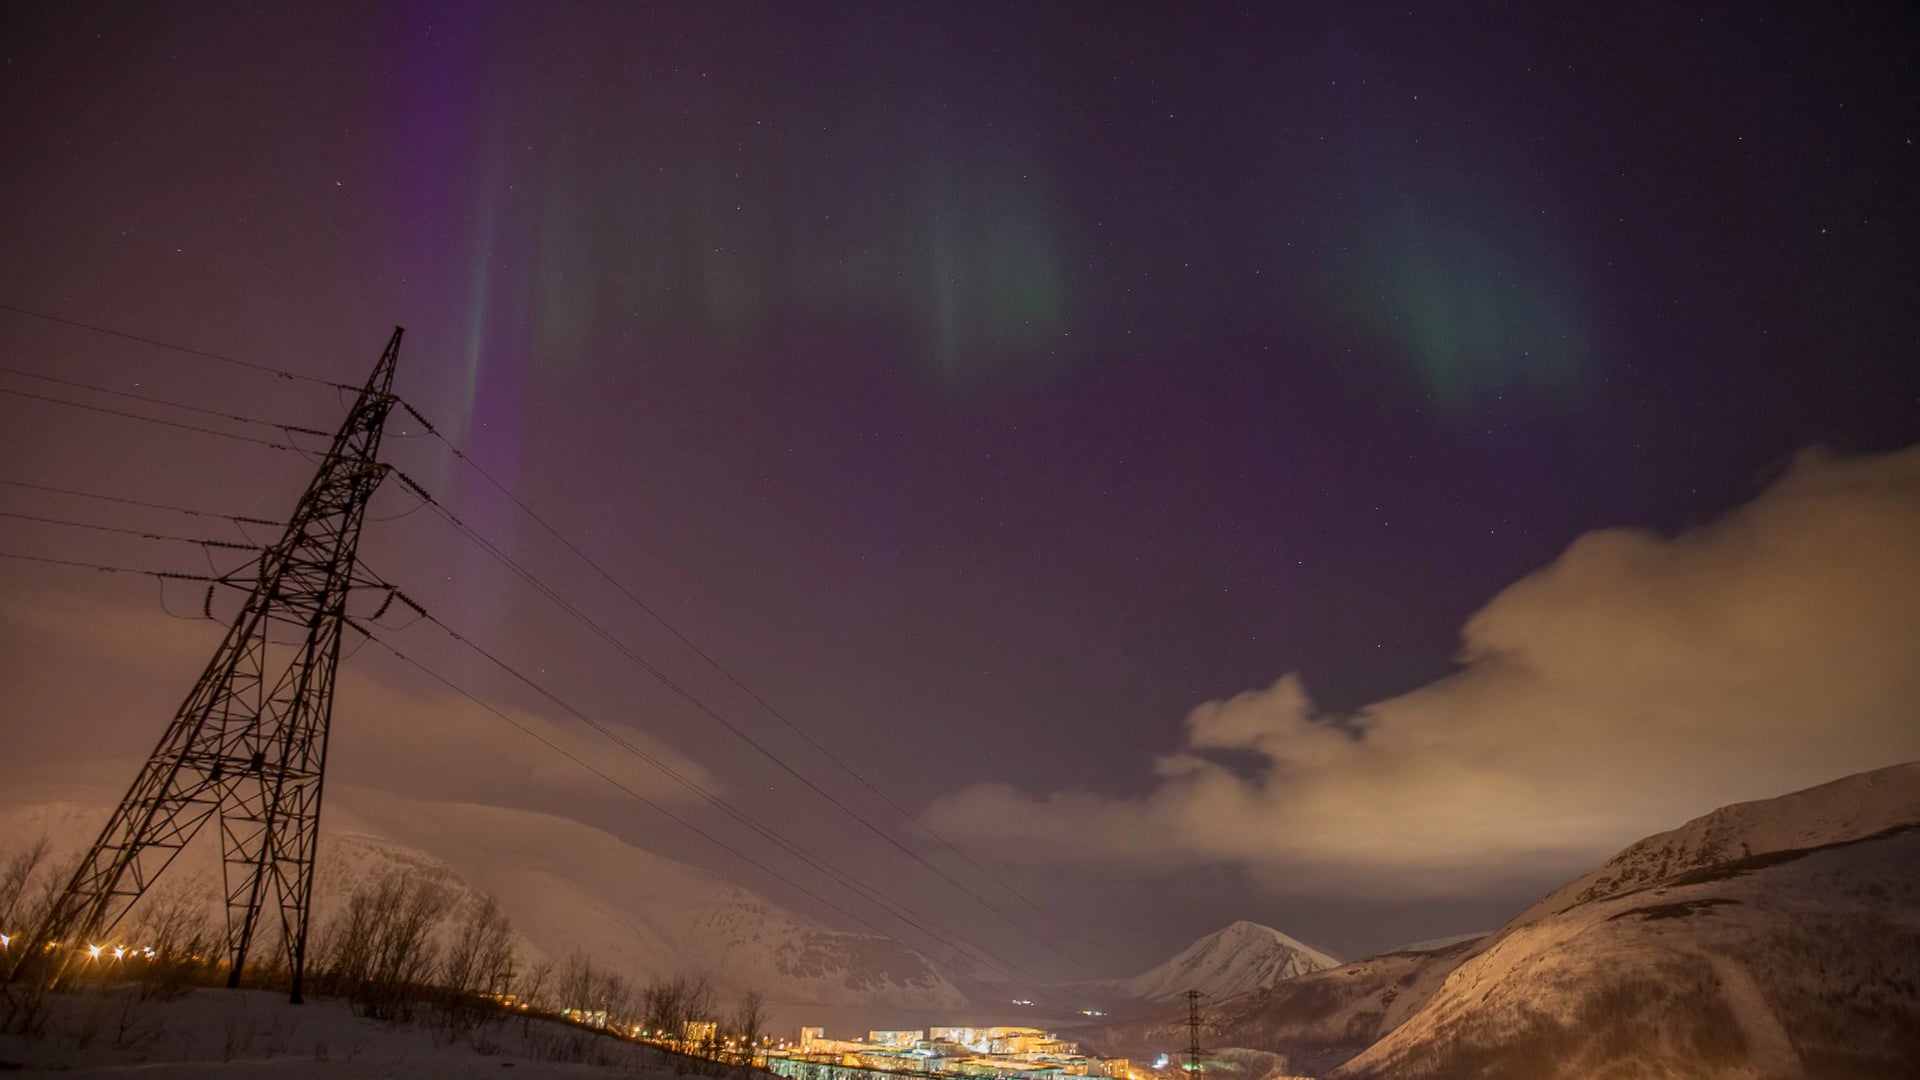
{"points": [[237, 1030], [30, 888], [17, 876], [480, 959], [134, 1028], [380, 951], [175, 942], [477, 968]]}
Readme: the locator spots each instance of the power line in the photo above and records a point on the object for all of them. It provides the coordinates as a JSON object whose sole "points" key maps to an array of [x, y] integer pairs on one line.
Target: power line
{"points": [[566, 606], [542, 522], [708, 658], [142, 534], [157, 343], [476, 537], [236, 518], [164, 401], [106, 569], [149, 419], [925, 925], [642, 799]]}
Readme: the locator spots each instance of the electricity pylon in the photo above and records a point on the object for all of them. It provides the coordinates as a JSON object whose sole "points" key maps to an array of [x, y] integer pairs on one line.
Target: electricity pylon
{"points": [[1195, 1055], [250, 741]]}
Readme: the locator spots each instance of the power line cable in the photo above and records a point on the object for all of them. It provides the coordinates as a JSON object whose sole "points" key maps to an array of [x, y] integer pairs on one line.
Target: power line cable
{"points": [[157, 343], [141, 533], [642, 799], [235, 518], [507, 561], [76, 384], [149, 419], [1017, 975], [708, 658], [108, 569]]}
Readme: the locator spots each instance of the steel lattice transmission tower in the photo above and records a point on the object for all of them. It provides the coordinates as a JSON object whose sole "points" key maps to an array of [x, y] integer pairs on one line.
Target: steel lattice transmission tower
{"points": [[1196, 1055], [250, 742]]}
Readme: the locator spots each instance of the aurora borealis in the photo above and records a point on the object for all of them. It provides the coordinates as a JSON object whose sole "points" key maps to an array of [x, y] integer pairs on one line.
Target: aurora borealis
{"points": [[989, 387]]}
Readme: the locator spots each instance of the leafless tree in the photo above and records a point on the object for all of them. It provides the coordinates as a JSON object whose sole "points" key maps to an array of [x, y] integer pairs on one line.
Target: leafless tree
{"points": [[749, 1022], [381, 950], [480, 958], [672, 1004], [534, 991]]}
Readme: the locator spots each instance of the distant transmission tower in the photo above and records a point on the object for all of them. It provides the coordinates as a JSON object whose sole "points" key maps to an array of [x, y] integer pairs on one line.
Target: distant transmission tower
{"points": [[250, 741], [1195, 1055]]}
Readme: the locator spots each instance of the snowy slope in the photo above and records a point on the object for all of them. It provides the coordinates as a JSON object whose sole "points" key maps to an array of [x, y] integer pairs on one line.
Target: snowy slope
{"points": [[571, 886], [1233, 960], [1850, 808], [243, 1034], [1306, 1024], [1778, 938], [568, 886]]}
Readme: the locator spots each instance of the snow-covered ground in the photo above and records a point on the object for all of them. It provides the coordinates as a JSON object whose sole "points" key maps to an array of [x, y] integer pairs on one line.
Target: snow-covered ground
{"points": [[256, 1033]]}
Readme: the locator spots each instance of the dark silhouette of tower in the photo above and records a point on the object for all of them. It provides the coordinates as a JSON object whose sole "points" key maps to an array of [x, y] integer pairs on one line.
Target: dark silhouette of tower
{"points": [[250, 742], [1194, 1053]]}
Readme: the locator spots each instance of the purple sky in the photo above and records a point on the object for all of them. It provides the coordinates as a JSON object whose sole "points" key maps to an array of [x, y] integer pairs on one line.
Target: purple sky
{"points": [[986, 387]]}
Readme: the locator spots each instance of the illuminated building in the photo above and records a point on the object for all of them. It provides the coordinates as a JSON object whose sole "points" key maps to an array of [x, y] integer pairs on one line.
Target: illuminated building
{"points": [[992, 1053]]}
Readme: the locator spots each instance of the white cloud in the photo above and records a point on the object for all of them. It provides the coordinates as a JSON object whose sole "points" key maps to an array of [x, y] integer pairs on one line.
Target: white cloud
{"points": [[1634, 682]]}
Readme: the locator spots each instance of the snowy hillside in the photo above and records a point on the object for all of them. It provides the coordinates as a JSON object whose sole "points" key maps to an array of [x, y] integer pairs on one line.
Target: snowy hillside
{"points": [[1778, 938], [1240, 957], [566, 886], [247, 1034], [1305, 1024], [1853, 807]]}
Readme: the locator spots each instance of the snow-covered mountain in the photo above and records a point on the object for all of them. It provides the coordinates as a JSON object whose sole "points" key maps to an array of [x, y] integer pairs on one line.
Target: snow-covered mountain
{"points": [[1240, 957], [568, 886], [1778, 938]]}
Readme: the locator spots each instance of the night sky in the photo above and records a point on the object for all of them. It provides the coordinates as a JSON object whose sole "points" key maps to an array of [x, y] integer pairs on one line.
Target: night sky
{"points": [[990, 387]]}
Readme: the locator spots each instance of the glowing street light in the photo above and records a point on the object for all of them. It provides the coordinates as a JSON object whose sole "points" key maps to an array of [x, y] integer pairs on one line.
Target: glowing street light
{"points": [[93, 952]]}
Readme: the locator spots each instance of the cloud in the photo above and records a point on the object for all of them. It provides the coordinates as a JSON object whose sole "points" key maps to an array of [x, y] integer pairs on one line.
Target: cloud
{"points": [[1634, 682], [395, 732]]}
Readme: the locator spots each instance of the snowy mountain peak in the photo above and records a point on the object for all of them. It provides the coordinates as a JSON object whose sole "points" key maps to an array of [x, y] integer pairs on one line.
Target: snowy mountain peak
{"points": [[1239, 957]]}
